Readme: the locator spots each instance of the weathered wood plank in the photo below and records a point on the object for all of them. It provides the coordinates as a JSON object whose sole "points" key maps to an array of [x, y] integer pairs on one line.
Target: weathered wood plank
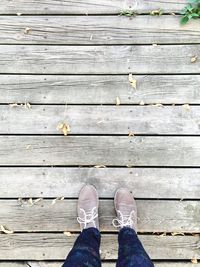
{"points": [[95, 150], [100, 119], [56, 246], [97, 30], [181, 183], [104, 264], [87, 7], [182, 216], [94, 89], [99, 59]]}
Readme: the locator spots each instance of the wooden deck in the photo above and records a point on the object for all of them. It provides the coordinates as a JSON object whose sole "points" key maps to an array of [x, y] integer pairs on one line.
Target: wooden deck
{"points": [[71, 61]]}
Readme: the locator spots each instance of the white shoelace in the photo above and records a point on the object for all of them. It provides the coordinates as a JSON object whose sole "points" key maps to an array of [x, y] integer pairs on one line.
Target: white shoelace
{"points": [[123, 220], [88, 217]]}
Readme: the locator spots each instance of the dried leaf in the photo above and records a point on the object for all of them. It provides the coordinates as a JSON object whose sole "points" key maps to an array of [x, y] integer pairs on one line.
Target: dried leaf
{"points": [[193, 59], [99, 166], [56, 199], [65, 128], [30, 201], [158, 105], [129, 166], [20, 201], [157, 12], [141, 103], [130, 134], [5, 230], [67, 234], [28, 146], [132, 81], [12, 105], [27, 105], [37, 200], [186, 106], [195, 261], [154, 44], [118, 102], [19, 14], [27, 30], [163, 234], [177, 233]]}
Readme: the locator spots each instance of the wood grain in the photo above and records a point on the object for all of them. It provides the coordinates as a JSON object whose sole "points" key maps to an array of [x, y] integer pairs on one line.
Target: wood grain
{"points": [[100, 119], [180, 183], [97, 30], [99, 150], [182, 216], [51, 246], [87, 7], [95, 89], [145, 59]]}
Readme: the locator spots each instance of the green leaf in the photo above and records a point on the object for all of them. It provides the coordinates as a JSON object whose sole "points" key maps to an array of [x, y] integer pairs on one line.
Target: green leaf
{"points": [[184, 20]]}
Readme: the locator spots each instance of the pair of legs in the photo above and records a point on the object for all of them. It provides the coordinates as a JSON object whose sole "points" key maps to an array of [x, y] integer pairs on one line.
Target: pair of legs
{"points": [[85, 252]]}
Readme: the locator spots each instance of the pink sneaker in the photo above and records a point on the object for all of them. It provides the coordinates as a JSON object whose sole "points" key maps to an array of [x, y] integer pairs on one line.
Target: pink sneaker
{"points": [[126, 209], [88, 204]]}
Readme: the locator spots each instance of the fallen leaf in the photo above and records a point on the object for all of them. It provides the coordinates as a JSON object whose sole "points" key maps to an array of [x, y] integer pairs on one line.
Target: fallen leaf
{"points": [[67, 234], [27, 30], [20, 201], [129, 166], [193, 59], [186, 106], [158, 105], [132, 81], [56, 199], [154, 44], [5, 230], [19, 14], [28, 146], [30, 201], [12, 105], [178, 233], [157, 12], [141, 103], [163, 234], [195, 261], [27, 105], [173, 14], [65, 128], [37, 200], [99, 166], [118, 102], [130, 134]]}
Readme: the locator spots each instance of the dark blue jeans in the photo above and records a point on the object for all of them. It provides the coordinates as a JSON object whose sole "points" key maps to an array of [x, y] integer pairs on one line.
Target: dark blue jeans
{"points": [[85, 252]]}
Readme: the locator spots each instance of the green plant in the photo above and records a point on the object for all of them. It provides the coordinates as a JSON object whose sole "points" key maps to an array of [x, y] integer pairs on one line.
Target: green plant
{"points": [[128, 13], [191, 11]]}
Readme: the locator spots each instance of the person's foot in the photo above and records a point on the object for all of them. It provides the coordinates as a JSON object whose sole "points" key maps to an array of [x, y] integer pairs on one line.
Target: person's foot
{"points": [[126, 209], [88, 204]]}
